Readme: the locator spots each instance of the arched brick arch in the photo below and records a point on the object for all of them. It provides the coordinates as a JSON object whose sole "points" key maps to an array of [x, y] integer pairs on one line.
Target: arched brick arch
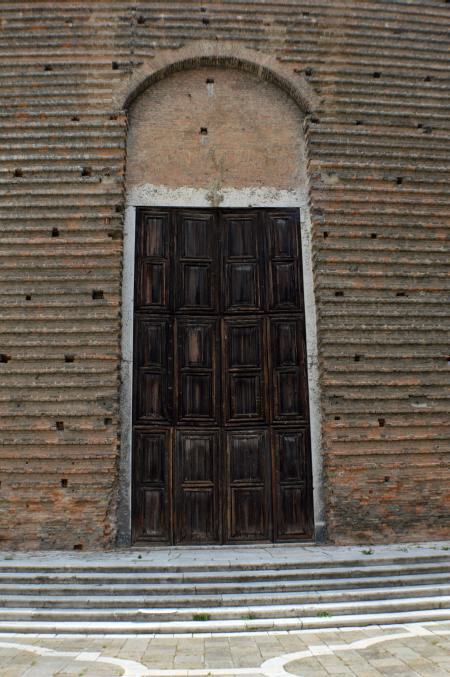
{"points": [[265, 67], [148, 188]]}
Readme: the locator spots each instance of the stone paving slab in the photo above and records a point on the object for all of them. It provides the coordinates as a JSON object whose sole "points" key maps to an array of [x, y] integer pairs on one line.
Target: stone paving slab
{"points": [[421, 650]]}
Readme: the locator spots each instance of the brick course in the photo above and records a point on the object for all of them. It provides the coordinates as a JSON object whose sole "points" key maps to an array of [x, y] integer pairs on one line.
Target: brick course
{"points": [[378, 153]]}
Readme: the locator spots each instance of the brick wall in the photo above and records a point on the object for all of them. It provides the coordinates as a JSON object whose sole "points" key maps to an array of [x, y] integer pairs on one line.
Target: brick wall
{"points": [[378, 149], [215, 128]]}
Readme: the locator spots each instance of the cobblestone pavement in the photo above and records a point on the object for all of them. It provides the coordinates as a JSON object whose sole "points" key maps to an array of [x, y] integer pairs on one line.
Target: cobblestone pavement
{"points": [[394, 651]]}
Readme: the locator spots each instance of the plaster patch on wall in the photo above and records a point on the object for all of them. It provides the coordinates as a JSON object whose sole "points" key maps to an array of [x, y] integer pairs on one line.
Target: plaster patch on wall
{"points": [[149, 195]]}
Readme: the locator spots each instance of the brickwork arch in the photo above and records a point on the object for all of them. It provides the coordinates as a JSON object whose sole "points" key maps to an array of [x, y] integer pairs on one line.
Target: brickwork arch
{"points": [[264, 66], [241, 146]]}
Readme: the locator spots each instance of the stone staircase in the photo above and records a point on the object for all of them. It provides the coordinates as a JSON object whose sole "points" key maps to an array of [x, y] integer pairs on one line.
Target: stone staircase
{"points": [[98, 597]]}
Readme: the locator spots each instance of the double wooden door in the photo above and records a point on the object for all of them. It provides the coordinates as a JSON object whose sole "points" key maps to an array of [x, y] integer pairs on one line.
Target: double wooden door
{"points": [[220, 418]]}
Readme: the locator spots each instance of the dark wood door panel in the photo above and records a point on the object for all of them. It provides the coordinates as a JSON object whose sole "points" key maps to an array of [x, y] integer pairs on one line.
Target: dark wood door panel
{"points": [[196, 253], [293, 517], [244, 370], [243, 263], [221, 427], [283, 231], [244, 343], [153, 370], [151, 482], [153, 285], [197, 512], [153, 246], [248, 479], [153, 404], [242, 237], [288, 370], [195, 287], [284, 285], [243, 291], [284, 262], [196, 236], [196, 380]]}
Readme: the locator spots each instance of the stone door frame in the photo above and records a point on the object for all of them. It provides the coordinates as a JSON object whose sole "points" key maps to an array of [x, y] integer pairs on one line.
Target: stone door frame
{"points": [[160, 196]]}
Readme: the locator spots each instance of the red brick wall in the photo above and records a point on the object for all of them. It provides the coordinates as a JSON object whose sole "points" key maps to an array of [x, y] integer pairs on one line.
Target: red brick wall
{"points": [[378, 149], [252, 133]]}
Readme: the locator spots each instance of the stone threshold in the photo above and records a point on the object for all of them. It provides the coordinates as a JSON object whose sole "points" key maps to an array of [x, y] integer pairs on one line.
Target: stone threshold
{"points": [[226, 555]]}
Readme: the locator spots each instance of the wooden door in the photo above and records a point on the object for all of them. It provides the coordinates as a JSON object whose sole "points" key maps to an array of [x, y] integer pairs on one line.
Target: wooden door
{"points": [[220, 414]]}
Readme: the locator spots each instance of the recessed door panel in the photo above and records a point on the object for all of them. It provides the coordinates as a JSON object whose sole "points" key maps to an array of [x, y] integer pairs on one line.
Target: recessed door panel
{"points": [[245, 397], [196, 238], [197, 344], [243, 263], [152, 287], [291, 456], [221, 429], [151, 484], [287, 343], [196, 487], [241, 237], [153, 397], [153, 241], [292, 484], [288, 370], [283, 233], [197, 456], [196, 396], [285, 288], [196, 380], [288, 394], [248, 473], [154, 508], [196, 292], [154, 337], [248, 514], [244, 344], [292, 512], [196, 262], [242, 290], [243, 368], [153, 262], [153, 373], [247, 456]]}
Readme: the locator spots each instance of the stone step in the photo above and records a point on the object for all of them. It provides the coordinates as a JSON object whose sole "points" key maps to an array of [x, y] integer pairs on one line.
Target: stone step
{"points": [[171, 591], [192, 601], [222, 626], [223, 567], [271, 611], [237, 575], [77, 586]]}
